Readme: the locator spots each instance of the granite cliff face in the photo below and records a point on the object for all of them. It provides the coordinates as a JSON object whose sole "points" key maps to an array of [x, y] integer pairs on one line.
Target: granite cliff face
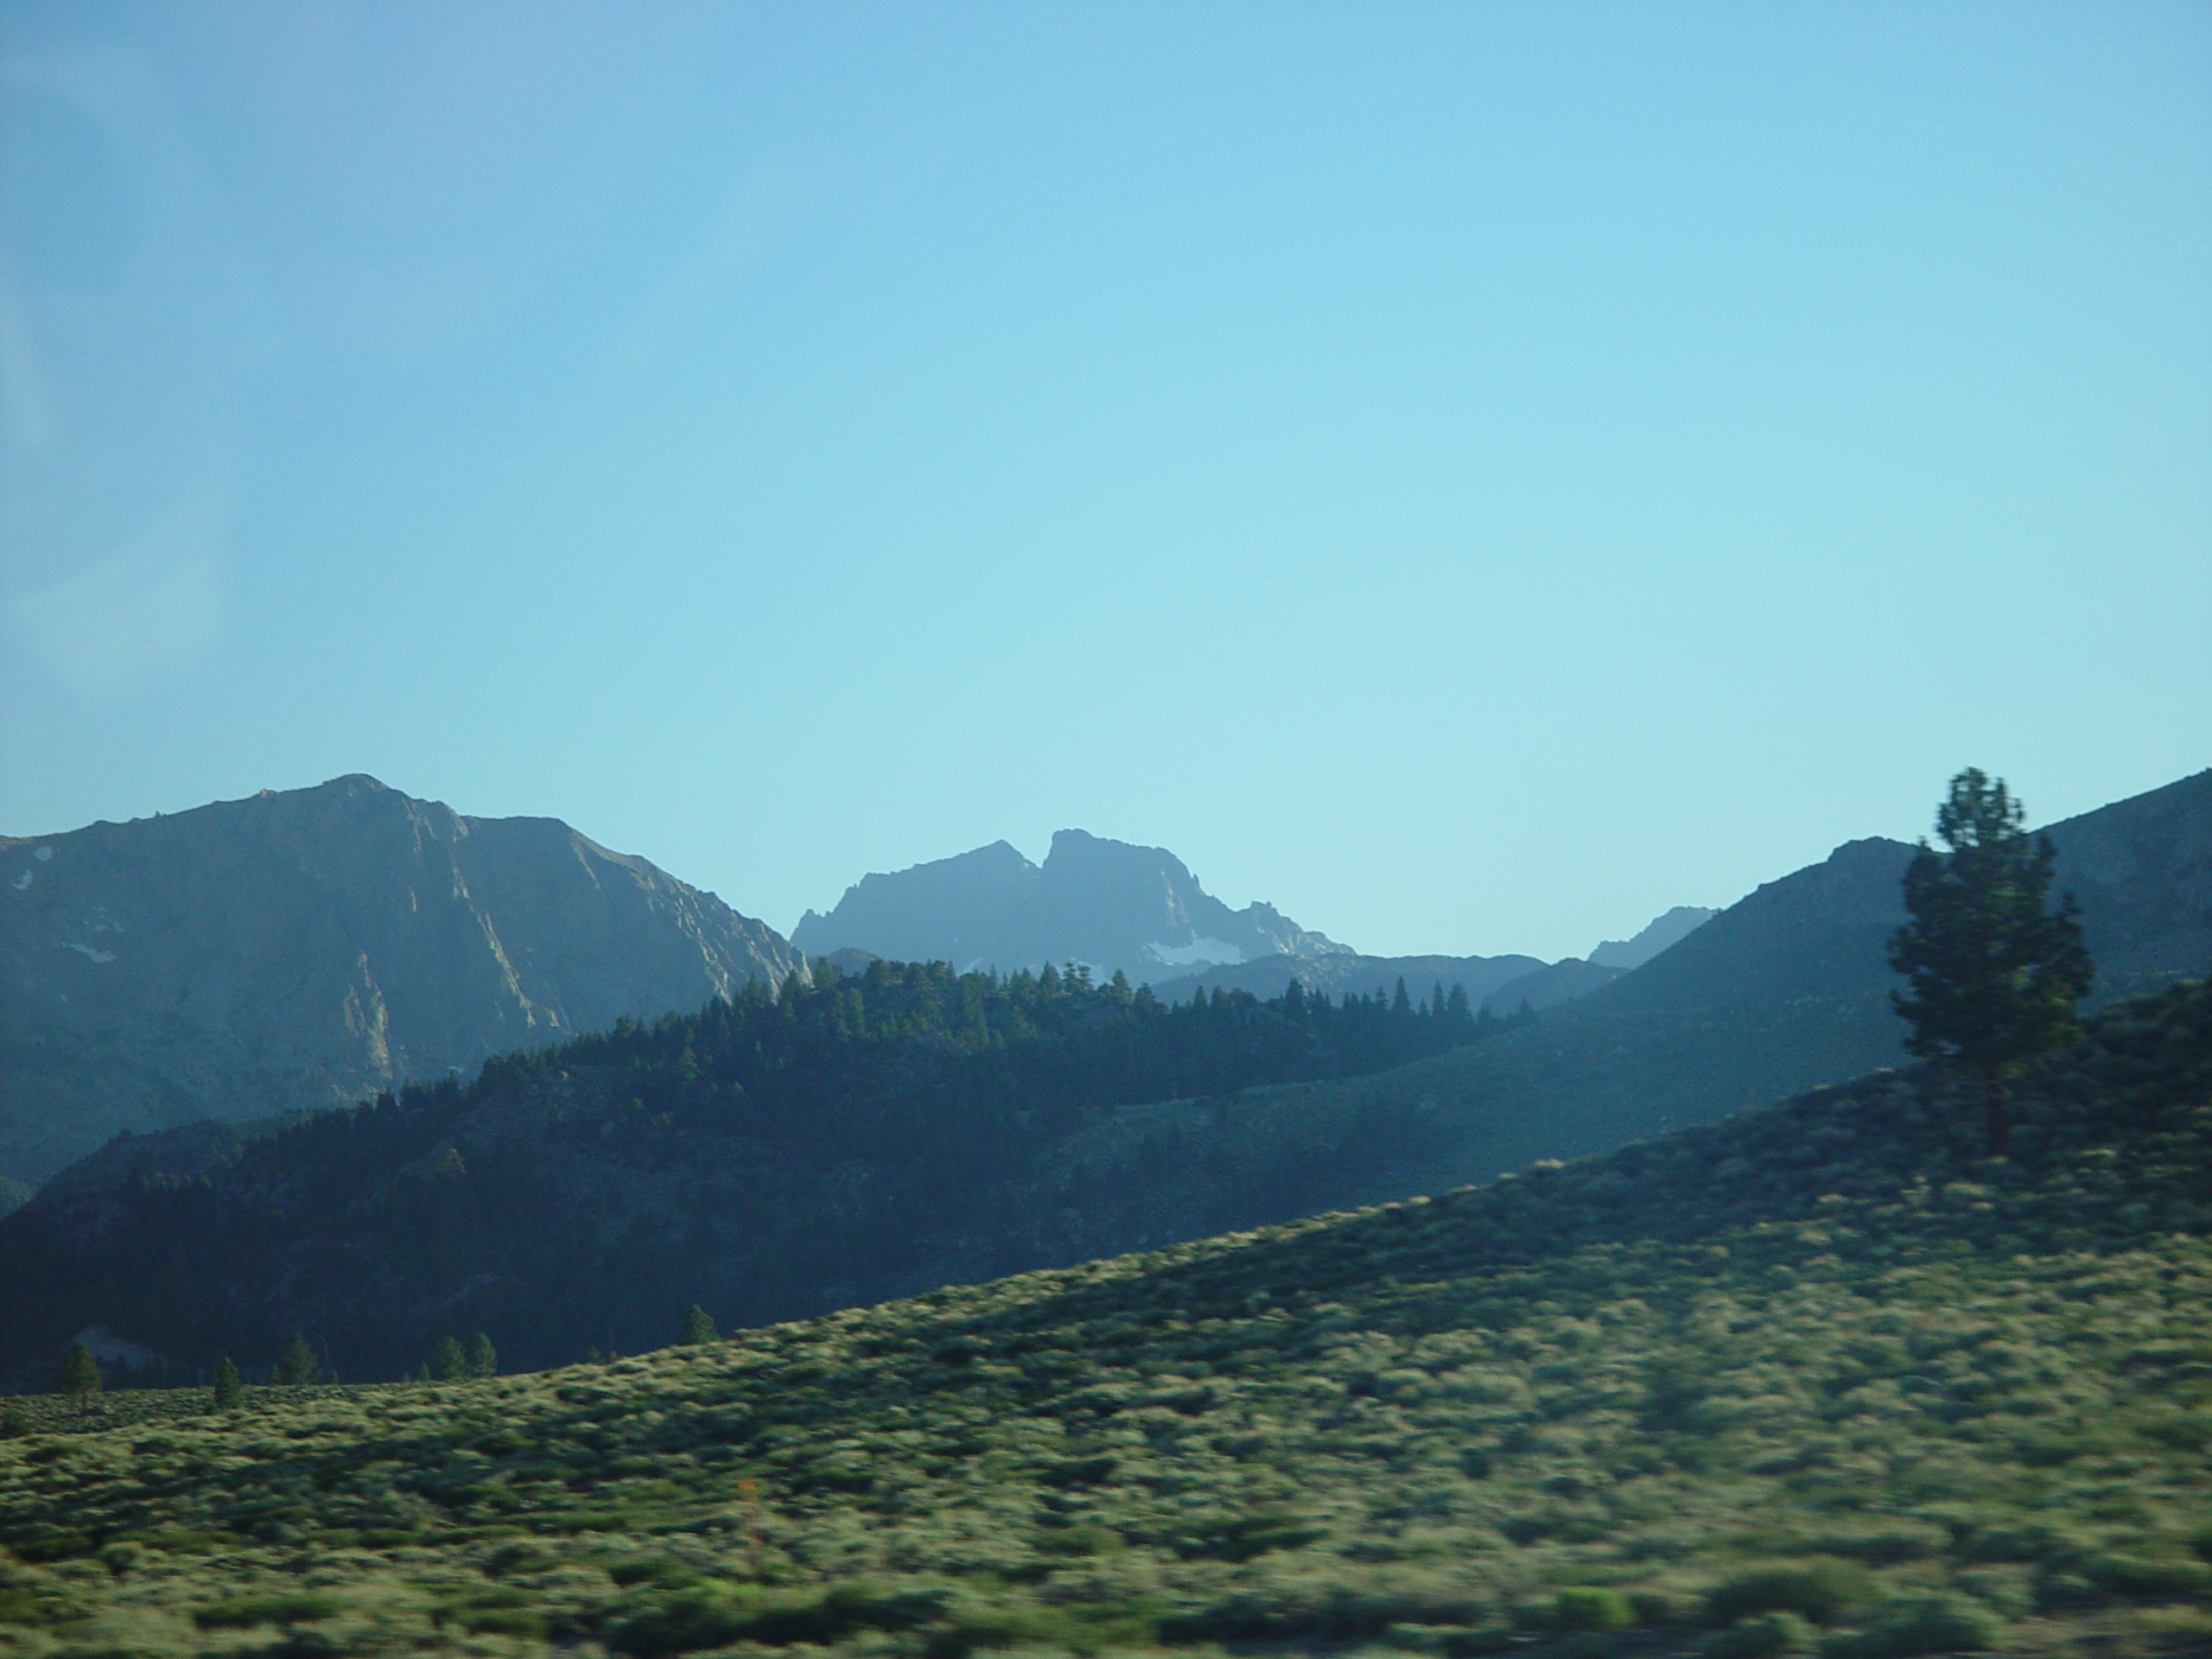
{"points": [[1106, 903], [307, 948]]}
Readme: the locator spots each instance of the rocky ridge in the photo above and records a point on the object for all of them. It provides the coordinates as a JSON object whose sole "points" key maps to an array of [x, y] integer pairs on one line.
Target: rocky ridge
{"points": [[306, 948], [1109, 904]]}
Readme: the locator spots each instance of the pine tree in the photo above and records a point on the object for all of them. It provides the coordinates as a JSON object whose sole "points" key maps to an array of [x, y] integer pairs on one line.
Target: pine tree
{"points": [[698, 1327], [229, 1391], [1992, 974], [80, 1375], [448, 1363], [296, 1365], [481, 1358]]}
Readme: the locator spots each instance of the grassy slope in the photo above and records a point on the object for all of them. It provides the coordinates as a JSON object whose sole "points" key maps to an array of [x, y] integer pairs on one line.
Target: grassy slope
{"points": [[1821, 1341]]}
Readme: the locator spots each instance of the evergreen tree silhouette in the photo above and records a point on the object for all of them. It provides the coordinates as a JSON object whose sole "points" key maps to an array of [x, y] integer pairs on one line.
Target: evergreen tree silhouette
{"points": [[1993, 973], [81, 1375]]}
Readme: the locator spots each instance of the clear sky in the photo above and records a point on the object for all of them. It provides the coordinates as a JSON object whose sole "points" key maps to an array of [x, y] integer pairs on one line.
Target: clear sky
{"points": [[1473, 475]]}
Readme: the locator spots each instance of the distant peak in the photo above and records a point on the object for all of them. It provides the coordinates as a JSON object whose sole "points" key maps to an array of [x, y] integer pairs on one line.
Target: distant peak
{"points": [[352, 783], [1082, 844], [1658, 935]]}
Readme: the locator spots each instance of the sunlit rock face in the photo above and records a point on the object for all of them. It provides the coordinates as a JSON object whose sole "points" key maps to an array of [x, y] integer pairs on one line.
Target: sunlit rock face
{"points": [[1106, 904], [306, 948]]}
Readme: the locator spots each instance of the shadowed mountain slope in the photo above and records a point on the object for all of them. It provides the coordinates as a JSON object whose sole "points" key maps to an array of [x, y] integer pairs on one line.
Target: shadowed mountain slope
{"points": [[2141, 869], [305, 949], [1785, 990], [1547, 988], [1504, 985], [848, 1141], [1657, 935], [1823, 931], [1108, 904]]}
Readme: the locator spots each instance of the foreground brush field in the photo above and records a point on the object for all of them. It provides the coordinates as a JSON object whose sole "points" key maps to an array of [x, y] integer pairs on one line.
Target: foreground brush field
{"points": [[1816, 1379]]}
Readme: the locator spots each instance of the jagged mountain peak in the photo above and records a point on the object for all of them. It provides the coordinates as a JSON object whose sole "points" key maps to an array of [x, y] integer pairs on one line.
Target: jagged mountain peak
{"points": [[1113, 905]]}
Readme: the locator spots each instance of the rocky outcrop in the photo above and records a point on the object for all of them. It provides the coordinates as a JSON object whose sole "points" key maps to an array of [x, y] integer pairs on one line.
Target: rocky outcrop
{"points": [[306, 948], [1107, 904]]}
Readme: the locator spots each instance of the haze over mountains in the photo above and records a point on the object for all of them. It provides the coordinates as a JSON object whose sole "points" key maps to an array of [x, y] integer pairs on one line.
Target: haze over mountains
{"points": [[1116, 908], [1676, 926], [307, 948], [1111, 906]]}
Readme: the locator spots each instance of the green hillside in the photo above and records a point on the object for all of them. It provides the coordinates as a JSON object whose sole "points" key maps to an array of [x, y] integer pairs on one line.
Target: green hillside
{"points": [[1814, 1376]]}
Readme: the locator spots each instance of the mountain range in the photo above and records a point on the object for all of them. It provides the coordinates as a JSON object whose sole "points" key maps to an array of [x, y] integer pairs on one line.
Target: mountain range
{"points": [[305, 949], [608, 1183], [1117, 907]]}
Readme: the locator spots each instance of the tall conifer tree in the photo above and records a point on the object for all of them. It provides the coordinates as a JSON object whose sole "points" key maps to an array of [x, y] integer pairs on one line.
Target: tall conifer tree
{"points": [[1992, 972]]}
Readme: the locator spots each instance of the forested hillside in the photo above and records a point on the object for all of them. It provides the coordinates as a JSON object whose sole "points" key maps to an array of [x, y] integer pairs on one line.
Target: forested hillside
{"points": [[841, 1141], [1818, 1376]]}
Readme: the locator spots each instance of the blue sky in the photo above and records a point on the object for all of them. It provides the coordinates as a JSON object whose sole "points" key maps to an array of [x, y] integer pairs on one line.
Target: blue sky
{"points": [[1472, 475]]}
